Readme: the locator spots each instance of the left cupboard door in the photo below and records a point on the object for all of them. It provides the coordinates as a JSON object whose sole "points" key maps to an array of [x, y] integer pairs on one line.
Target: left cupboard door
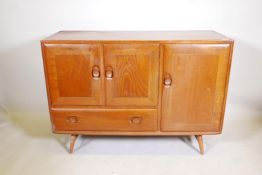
{"points": [[74, 74]]}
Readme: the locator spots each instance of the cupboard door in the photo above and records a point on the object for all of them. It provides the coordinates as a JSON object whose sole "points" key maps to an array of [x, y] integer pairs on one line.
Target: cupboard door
{"points": [[194, 80], [131, 72], [74, 73]]}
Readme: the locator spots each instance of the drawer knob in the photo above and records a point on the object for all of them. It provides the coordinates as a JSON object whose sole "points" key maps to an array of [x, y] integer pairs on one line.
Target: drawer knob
{"points": [[109, 72], [95, 72], [136, 120], [167, 80], [72, 119]]}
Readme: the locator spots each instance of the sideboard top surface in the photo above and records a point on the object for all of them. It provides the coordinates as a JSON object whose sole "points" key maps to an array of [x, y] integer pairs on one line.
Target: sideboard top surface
{"points": [[150, 36]]}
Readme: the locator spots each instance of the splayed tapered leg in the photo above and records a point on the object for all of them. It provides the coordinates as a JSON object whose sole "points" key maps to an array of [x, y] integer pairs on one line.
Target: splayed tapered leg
{"points": [[73, 138], [200, 143]]}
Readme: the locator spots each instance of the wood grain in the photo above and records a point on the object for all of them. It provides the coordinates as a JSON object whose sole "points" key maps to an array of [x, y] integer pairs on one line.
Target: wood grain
{"points": [[151, 83], [69, 74], [105, 119], [135, 74], [195, 99], [144, 36]]}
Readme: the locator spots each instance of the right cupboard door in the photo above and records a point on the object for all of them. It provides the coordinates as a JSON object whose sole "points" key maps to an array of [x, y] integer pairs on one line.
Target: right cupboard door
{"points": [[194, 84]]}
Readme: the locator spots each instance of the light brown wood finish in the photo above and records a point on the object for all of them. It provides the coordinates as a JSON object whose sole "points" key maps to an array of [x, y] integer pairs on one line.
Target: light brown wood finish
{"points": [[73, 138], [133, 133], [135, 69], [105, 119], [194, 100], [141, 36], [70, 69], [138, 83], [200, 143]]}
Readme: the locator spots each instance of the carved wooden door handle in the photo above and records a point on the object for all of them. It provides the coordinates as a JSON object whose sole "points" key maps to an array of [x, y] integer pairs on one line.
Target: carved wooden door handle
{"points": [[109, 72], [167, 80], [96, 72]]}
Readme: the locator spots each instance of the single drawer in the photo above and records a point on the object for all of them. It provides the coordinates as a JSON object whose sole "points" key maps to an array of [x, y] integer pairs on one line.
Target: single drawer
{"points": [[104, 119]]}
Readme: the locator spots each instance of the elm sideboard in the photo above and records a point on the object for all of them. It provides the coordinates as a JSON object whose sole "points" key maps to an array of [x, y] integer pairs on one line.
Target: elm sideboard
{"points": [[155, 83]]}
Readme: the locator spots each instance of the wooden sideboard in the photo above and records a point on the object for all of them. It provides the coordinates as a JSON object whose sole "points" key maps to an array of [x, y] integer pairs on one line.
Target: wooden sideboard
{"points": [[137, 83]]}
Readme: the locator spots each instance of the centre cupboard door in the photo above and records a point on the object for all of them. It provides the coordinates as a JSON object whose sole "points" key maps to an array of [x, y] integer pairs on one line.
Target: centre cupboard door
{"points": [[195, 77], [132, 74]]}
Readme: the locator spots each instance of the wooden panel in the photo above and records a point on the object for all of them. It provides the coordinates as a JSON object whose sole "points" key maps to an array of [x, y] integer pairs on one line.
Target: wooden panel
{"points": [[138, 133], [135, 69], [131, 36], [194, 101], [104, 119], [69, 73]]}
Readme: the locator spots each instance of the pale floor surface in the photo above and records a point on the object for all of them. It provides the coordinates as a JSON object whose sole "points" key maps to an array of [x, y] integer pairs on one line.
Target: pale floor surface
{"points": [[237, 151]]}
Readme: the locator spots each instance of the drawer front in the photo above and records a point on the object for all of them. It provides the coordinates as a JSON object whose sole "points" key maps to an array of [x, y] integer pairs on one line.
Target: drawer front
{"points": [[104, 119]]}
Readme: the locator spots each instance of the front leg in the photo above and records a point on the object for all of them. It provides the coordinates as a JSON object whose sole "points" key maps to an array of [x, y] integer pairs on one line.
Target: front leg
{"points": [[200, 143], [73, 138]]}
